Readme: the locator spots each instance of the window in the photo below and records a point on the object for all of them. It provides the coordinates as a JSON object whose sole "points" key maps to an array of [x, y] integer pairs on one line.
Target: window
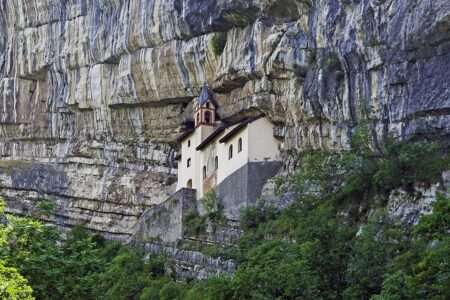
{"points": [[189, 162], [230, 152], [207, 117], [189, 143], [240, 145], [216, 163], [204, 172]]}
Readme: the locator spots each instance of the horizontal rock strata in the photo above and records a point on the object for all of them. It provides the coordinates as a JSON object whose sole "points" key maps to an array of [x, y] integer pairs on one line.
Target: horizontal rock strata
{"points": [[94, 93]]}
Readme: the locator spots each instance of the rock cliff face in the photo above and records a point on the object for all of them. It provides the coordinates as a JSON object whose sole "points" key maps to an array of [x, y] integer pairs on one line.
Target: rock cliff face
{"points": [[94, 93]]}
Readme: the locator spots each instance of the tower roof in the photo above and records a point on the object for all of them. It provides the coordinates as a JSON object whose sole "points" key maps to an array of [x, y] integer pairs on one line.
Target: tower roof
{"points": [[205, 95]]}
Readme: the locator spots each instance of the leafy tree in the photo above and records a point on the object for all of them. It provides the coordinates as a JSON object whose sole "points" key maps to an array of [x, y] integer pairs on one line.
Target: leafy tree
{"points": [[194, 224], [153, 288], [394, 287], [423, 271], [252, 216], [171, 291], [320, 247], [214, 209], [214, 288], [436, 226], [2, 207], [381, 240], [125, 279], [13, 286], [276, 269]]}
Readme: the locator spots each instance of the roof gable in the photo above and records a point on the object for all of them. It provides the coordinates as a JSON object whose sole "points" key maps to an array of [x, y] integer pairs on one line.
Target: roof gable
{"points": [[238, 128], [240, 125]]}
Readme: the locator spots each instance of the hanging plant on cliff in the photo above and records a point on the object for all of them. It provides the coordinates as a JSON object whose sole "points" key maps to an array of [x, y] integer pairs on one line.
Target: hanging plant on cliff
{"points": [[218, 44]]}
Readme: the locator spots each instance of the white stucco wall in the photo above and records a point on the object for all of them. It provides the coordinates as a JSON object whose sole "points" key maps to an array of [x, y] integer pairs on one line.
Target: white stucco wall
{"points": [[228, 166], [206, 158], [185, 173], [263, 146]]}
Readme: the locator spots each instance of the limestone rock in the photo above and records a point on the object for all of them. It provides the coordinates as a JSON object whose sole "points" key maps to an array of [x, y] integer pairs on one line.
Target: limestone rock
{"points": [[94, 93], [409, 205]]}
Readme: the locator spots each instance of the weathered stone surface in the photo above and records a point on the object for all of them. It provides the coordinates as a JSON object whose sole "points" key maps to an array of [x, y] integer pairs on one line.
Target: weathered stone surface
{"points": [[93, 93], [191, 264], [409, 205], [165, 222], [248, 180], [105, 198]]}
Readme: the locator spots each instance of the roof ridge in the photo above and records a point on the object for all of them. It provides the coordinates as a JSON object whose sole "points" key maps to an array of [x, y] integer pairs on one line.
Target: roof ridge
{"points": [[205, 95]]}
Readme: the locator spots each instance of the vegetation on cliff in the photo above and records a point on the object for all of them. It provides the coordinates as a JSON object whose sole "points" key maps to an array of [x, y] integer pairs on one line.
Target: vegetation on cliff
{"points": [[320, 247], [218, 44]]}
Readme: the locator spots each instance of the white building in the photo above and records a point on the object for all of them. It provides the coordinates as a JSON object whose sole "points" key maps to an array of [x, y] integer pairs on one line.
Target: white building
{"points": [[234, 158]]}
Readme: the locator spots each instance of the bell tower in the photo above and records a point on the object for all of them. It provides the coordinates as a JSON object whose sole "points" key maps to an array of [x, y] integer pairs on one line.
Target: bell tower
{"points": [[205, 109], [205, 113]]}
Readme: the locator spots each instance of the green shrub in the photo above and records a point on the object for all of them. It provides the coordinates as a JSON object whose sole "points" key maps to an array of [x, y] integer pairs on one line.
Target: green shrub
{"points": [[194, 224], [210, 202], [13, 286], [2, 207], [394, 287], [412, 162], [171, 291], [360, 140], [330, 258], [125, 277], [218, 44], [252, 216], [436, 225], [382, 239], [224, 252], [422, 271], [45, 208], [214, 288], [77, 233], [399, 164], [214, 210], [151, 292], [311, 250]]}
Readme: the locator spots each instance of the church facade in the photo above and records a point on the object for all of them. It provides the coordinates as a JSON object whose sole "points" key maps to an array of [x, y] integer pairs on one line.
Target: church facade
{"points": [[234, 158]]}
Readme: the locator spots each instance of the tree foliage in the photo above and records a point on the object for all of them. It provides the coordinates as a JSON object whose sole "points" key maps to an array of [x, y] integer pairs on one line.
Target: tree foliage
{"points": [[13, 286], [320, 247]]}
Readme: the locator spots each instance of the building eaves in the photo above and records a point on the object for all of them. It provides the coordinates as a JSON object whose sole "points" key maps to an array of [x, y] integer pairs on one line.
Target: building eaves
{"points": [[212, 136], [185, 135], [238, 128]]}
